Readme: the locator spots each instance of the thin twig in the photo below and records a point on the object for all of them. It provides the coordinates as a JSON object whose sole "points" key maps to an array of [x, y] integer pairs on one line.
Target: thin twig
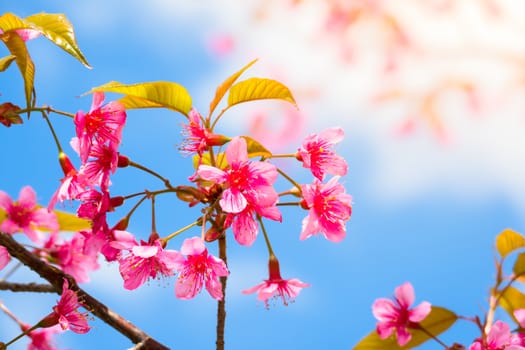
{"points": [[27, 287]]}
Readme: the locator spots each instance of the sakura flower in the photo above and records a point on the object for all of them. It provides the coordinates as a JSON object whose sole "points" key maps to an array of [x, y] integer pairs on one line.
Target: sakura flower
{"points": [[71, 185], [396, 316], [97, 170], [499, 337], [316, 153], [198, 138], [275, 286], [41, 339], [245, 182], [245, 227], [198, 269], [4, 257], [24, 214], [146, 260], [329, 208], [74, 257], [102, 123], [66, 314]]}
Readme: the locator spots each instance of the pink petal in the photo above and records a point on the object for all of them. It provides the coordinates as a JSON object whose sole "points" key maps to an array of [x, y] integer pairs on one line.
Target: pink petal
{"points": [[245, 228], [295, 286], [310, 225], [237, 150], [145, 251], [192, 246], [405, 294], [4, 257], [419, 313], [188, 287], [27, 197], [520, 316], [384, 330], [211, 173], [254, 288], [214, 287], [98, 100], [5, 200], [332, 135], [384, 310], [233, 202], [403, 336]]}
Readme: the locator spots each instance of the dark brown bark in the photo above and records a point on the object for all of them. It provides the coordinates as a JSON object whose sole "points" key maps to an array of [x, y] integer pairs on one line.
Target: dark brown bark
{"points": [[56, 278], [221, 304]]}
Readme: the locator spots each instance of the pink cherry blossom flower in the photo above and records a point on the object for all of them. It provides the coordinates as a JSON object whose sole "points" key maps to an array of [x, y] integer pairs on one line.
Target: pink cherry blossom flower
{"points": [[396, 316], [74, 257], [499, 337], [98, 170], [245, 227], [329, 209], [198, 138], [102, 123], [275, 286], [245, 182], [66, 314], [24, 215], [72, 184], [41, 339], [144, 261], [4, 257], [198, 269], [316, 153]]}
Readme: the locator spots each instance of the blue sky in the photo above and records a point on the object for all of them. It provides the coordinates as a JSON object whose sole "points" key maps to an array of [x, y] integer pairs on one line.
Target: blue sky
{"points": [[424, 211]]}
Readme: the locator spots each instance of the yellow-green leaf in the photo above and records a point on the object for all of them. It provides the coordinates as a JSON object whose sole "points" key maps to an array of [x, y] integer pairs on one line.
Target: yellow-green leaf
{"points": [[259, 89], [255, 149], [17, 48], [438, 321], [10, 21], [59, 30], [3, 215], [220, 160], [519, 265], [223, 88], [512, 299], [6, 61], [508, 241], [71, 222], [151, 95]]}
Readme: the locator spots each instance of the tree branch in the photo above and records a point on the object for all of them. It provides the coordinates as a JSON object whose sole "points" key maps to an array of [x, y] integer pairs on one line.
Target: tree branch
{"points": [[56, 278], [27, 287]]}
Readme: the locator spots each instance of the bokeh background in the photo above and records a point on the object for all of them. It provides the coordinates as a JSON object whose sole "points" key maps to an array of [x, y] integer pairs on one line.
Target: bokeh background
{"points": [[430, 95]]}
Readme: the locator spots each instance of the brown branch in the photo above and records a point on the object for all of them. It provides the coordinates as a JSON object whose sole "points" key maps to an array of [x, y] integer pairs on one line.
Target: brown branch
{"points": [[27, 287], [221, 304], [56, 278]]}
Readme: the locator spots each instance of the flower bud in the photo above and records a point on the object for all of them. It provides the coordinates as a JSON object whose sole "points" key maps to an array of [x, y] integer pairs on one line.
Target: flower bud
{"points": [[122, 225], [8, 114], [123, 161], [65, 163], [212, 234], [116, 201]]}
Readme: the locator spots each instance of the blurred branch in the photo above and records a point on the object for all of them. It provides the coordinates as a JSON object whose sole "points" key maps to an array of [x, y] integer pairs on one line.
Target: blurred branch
{"points": [[56, 278], [27, 287]]}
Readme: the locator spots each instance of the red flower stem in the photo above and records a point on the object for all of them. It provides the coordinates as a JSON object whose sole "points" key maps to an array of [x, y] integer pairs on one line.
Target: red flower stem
{"points": [[266, 239], [217, 118], [284, 155], [153, 223], [149, 171], [293, 182], [44, 114], [424, 330], [45, 109], [221, 304], [26, 332], [289, 204], [187, 227], [56, 278]]}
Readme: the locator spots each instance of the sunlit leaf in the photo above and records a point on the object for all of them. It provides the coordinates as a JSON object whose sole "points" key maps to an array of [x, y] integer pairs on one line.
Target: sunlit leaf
{"points": [[220, 160], [5, 62], [17, 48], [512, 299], [3, 215], [55, 27], [508, 241], [151, 95], [438, 321], [259, 89], [223, 88], [71, 222], [255, 149], [519, 265], [59, 30]]}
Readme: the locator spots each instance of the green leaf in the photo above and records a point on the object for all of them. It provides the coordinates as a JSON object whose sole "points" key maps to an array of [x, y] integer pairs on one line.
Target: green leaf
{"points": [[519, 265], [9, 21], [17, 47], [255, 149], [512, 299], [221, 90], [71, 222], [508, 241], [59, 30], [151, 95], [6, 61], [259, 89], [438, 321]]}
